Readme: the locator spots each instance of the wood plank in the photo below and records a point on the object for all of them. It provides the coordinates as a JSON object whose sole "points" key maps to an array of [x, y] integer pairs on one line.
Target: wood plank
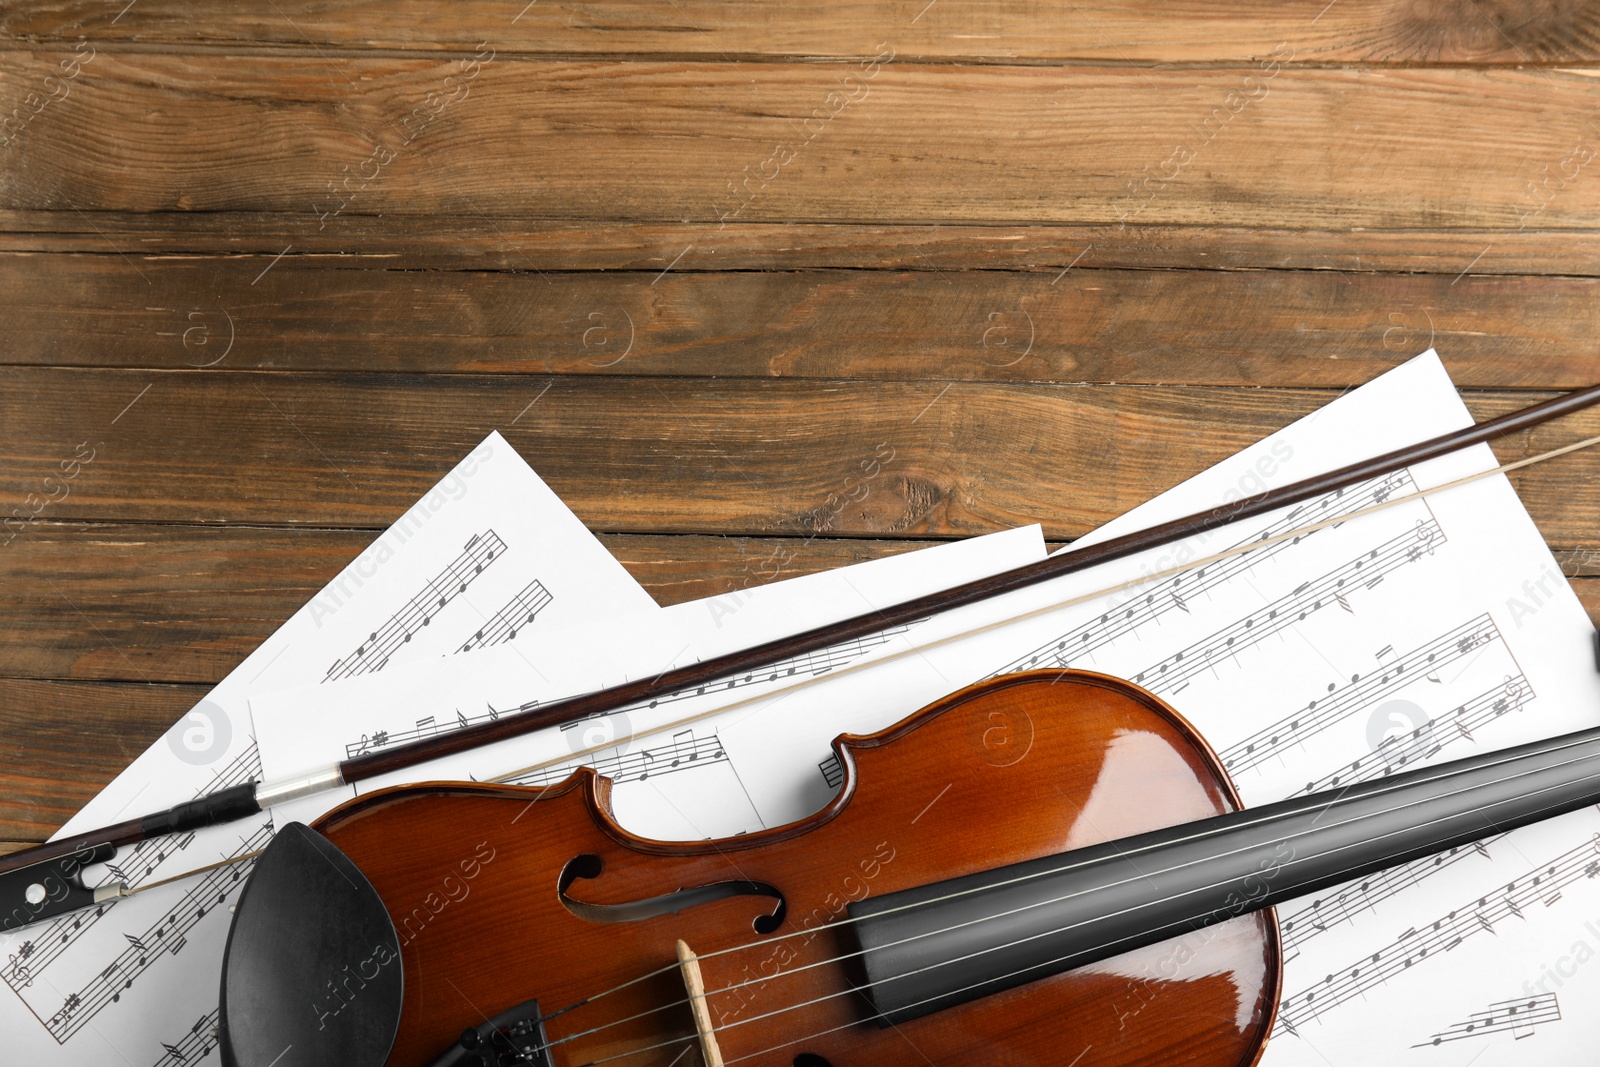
{"points": [[710, 142], [1367, 31], [61, 742], [188, 603], [1302, 328], [157, 604], [1588, 590], [665, 455], [520, 244]]}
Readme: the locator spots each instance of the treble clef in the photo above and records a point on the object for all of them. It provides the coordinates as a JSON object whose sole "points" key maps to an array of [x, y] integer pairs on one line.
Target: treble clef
{"points": [[1426, 532], [1515, 686], [21, 976]]}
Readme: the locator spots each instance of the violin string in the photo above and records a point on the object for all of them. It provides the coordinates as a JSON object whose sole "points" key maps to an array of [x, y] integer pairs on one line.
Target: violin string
{"points": [[977, 631], [1381, 788], [1065, 959], [690, 1038], [1056, 900], [1192, 565], [1175, 927], [864, 989]]}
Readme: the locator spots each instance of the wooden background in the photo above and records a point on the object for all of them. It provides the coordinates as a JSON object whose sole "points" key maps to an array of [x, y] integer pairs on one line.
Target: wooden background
{"points": [[282, 264]]}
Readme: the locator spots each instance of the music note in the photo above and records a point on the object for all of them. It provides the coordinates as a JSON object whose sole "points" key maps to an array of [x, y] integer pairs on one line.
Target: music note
{"points": [[513, 617], [417, 613]]}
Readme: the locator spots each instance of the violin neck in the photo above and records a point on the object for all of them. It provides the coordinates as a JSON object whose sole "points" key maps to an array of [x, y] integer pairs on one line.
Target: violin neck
{"points": [[944, 944]]}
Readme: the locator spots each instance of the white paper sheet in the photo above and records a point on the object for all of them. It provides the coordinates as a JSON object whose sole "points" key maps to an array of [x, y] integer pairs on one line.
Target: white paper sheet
{"points": [[675, 785], [136, 982]]}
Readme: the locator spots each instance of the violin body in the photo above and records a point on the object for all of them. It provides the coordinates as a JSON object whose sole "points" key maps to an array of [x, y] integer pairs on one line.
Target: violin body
{"points": [[503, 894]]}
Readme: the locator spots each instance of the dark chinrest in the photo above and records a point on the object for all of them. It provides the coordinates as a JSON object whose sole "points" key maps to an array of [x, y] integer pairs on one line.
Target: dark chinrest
{"points": [[311, 974]]}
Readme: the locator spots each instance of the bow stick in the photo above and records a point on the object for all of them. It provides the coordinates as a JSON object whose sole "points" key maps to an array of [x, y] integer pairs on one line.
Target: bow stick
{"points": [[46, 880]]}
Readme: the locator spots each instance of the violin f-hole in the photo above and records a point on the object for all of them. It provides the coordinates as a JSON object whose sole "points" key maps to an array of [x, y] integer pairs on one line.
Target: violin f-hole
{"points": [[589, 865]]}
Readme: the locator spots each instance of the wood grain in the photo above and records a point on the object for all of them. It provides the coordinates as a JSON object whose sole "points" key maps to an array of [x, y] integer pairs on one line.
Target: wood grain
{"points": [[1294, 328], [150, 603], [188, 603], [519, 244], [707, 142], [642, 455], [61, 742], [1365, 31]]}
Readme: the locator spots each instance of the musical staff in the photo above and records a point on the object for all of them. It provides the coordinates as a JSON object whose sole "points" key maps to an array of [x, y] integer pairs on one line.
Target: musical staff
{"points": [[1361, 693], [164, 937], [482, 550], [518, 612], [684, 752], [1517, 1016], [1424, 741], [196, 1045], [1540, 886], [46, 944], [1311, 596], [813, 663], [428, 726], [1176, 593], [1343, 903]]}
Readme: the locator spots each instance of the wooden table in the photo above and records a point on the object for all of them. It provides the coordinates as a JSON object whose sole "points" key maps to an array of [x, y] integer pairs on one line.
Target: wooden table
{"points": [[279, 267]]}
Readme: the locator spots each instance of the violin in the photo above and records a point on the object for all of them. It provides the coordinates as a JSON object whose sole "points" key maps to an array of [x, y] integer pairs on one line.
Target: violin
{"points": [[1045, 868]]}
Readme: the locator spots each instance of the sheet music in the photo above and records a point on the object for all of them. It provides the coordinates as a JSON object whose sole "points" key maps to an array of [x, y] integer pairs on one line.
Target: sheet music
{"points": [[195, 1046], [1517, 1016], [517, 614], [136, 981], [809, 664], [677, 785], [1533, 889], [416, 614]]}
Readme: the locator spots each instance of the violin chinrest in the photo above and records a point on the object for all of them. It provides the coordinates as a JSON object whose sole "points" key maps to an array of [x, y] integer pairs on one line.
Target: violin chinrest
{"points": [[311, 973]]}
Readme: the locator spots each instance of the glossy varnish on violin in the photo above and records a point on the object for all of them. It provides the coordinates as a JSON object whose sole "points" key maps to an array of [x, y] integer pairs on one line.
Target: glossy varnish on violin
{"points": [[1019, 767]]}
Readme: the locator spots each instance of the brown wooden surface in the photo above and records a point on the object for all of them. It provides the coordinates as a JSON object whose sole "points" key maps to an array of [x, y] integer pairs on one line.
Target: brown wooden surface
{"points": [[1360, 31], [662, 140], [1284, 327], [1417, 173]]}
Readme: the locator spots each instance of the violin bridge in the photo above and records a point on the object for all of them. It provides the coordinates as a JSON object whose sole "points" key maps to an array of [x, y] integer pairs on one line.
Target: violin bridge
{"points": [[689, 965]]}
